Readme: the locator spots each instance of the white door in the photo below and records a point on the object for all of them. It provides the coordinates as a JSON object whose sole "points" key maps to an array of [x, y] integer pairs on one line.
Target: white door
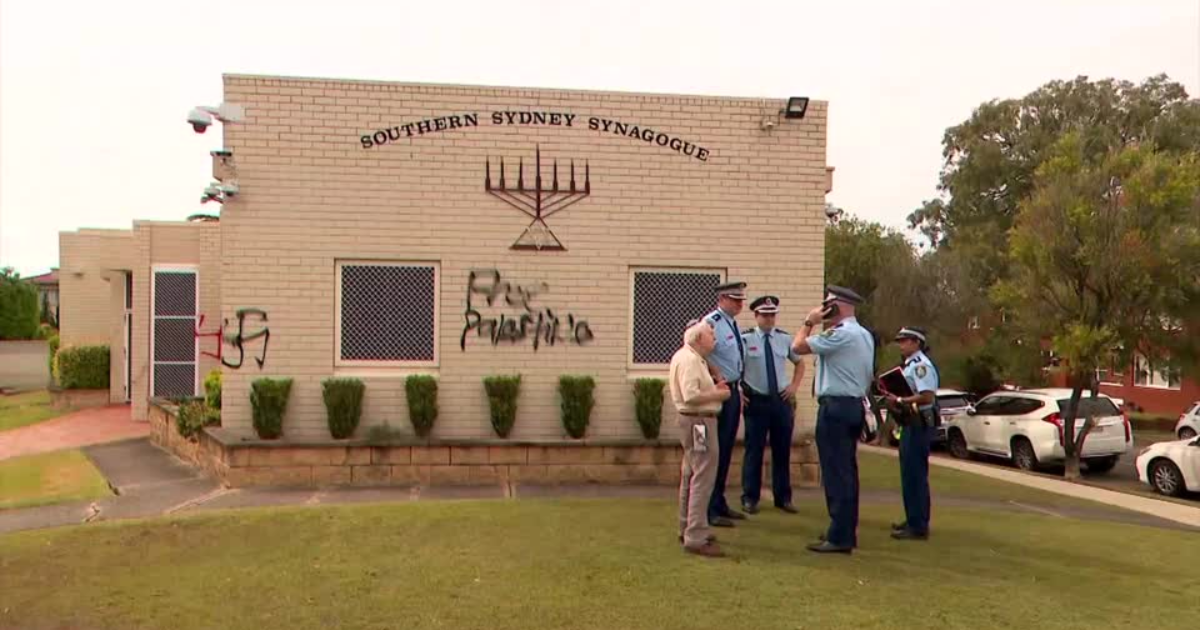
{"points": [[988, 416]]}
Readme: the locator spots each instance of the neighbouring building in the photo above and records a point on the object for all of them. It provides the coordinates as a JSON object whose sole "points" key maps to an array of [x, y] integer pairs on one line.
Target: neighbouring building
{"points": [[47, 285], [378, 230]]}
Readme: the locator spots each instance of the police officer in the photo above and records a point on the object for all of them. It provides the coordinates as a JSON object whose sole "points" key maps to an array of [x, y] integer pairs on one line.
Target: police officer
{"points": [[918, 417], [768, 405], [846, 354], [728, 359]]}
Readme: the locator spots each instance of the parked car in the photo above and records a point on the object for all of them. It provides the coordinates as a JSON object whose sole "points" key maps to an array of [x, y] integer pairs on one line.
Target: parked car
{"points": [[1189, 423], [951, 403], [1026, 427], [1171, 468]]}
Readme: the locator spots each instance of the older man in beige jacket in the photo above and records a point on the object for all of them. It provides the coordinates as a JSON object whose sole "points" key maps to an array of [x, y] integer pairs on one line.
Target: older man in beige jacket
{"points": [[697, 400]]}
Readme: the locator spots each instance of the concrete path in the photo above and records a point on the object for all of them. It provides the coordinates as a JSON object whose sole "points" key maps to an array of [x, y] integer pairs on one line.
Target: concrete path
{"points": [[1175, 512], [151, 482], [80, 428], [24, 365]]}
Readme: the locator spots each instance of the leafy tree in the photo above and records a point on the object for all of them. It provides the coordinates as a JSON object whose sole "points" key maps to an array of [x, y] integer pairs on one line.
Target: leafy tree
{"points": [[1105, 255], [18, 306]]}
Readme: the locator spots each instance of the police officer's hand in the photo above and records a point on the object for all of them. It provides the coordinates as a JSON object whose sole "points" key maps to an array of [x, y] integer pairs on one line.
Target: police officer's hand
{"points": [[789, 392], [722, 391], [815, 316]]}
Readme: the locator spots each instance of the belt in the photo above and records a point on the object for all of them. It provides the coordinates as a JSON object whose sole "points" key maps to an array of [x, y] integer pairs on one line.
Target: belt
{"points": [[699, 414], [825, 399]]}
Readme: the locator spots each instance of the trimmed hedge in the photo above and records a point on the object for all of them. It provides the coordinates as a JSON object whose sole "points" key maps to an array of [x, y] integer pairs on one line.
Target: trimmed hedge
{"points": [[20, 312], [193, 416], [578, 400], [212, 389], [268, 403], [502, 393], [421, 392], [343, 405], [83, 367], [648, 396]]}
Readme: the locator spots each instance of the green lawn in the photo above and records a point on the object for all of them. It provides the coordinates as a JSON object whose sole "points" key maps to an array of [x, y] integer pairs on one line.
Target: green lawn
{"points": [[25, 409], [589, 564], [46, 478]]}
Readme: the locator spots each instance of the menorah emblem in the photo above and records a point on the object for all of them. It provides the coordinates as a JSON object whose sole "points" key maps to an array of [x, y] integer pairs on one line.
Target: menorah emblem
{"points": [[538, 202]]}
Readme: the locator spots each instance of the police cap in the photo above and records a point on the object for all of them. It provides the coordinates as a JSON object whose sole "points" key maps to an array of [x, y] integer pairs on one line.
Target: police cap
{"points": [[842, 294], [732, 290], [911, 332], [766, 305]]}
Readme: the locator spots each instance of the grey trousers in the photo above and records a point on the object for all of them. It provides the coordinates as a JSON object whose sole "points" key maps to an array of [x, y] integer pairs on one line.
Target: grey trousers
{"points": [[698, 475]]}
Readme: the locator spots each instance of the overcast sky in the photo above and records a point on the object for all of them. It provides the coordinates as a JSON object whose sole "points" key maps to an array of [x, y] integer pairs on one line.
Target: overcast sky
{"points": [[93, 95]]}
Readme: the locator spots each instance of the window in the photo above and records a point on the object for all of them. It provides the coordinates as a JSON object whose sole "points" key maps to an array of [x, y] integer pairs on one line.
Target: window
{"points": [[1096, 408], [1159, 375], [386, 314], [992, 405], [1022, 406], [973, 323], [663, 303], [173, 341], [1113, 372], [952, 402]]}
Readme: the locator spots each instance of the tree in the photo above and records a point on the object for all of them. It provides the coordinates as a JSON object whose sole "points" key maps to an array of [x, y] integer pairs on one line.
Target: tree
{"points": [[1105, 257], [18, 306]]}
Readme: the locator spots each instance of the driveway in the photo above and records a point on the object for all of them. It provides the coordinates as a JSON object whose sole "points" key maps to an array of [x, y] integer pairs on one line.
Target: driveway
{"points": [[24, 365]]}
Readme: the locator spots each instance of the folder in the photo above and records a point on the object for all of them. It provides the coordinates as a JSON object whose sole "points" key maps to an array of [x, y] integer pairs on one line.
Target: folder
{"points": [[893, 382]]}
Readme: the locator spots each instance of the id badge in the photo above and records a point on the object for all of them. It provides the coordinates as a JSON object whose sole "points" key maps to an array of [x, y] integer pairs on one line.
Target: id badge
{"points": [[699, 438]]}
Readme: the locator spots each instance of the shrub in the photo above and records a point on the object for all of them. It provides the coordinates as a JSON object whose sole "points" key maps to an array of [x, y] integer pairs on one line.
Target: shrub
{"points": [[268, 403], [19, 308], [53, 343], [502, 392], [193, 416], [648, 394], [343, 405], [46, 331], [212, 389], [577, 397], [83, 367], [384, 434], [421, 392]]}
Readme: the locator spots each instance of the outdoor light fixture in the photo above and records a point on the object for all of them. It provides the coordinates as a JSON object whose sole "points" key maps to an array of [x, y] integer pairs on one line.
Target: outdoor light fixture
{"points": [[796, 107]]}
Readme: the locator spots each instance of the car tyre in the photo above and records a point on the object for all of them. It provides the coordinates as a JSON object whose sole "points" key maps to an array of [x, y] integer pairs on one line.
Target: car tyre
{"points": [[958, 445], [1187, 433], [1165, 478], [1023, 456], [1101, 464]]}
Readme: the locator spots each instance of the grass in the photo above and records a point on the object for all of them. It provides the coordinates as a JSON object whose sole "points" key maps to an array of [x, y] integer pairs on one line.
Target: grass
{"points": [[588, 564], [882, 472], [46, 478], [25, 409]]}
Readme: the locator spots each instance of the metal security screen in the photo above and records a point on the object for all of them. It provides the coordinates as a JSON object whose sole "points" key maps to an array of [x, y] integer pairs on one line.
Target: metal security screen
{"points": [[663, 303], [174, 342], [387, 312]]}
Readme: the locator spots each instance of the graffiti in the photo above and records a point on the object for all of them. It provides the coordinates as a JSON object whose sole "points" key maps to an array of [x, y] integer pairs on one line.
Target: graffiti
{"points": [[543, 325], [239, 339]]}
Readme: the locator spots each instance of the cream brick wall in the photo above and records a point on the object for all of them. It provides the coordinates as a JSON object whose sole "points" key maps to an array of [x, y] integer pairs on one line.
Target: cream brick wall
{"points": [[312, 195]]}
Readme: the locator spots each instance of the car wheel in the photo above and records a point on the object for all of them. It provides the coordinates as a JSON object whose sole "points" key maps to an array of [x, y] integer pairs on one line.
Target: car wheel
{"points": [[1023, 456], [1101, 464], [958, 445], [1166, 478], [1187, 433]]}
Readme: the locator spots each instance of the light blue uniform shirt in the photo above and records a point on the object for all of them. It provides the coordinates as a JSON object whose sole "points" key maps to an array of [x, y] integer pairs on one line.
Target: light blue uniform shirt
{"points": [[728, 355], [756, 358], [847, 359], [921, 374]]}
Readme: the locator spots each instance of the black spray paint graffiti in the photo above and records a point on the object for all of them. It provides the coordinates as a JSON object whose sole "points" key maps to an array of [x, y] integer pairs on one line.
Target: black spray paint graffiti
{"points": [[238, 339], [542, 324]]}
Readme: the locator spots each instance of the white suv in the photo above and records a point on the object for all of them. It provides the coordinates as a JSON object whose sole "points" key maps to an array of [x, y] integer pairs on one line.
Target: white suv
{"points": [[1189, 423], [1026, 427]]}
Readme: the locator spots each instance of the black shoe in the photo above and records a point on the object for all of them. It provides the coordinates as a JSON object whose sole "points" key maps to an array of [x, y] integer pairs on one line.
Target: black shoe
{"points": [[733, 514], [896, 527], [749, 508], [827, 547], [908, 534], [711, 538], [720, 521], [789, 508]]}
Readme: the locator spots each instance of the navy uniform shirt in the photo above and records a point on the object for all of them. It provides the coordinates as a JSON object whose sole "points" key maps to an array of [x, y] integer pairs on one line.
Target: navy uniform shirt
{"points": [[728, 355], [755, 343], [921, 374], [847, 360]]}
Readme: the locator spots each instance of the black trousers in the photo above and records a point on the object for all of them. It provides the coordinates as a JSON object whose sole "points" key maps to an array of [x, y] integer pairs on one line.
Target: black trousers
{"points": [[839, 424], [728, 421], [768, 417]]}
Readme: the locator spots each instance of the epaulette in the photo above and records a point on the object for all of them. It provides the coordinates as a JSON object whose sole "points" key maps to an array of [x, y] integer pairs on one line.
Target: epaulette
{"points": [[780, 330], [715, 317], [747, 331]]}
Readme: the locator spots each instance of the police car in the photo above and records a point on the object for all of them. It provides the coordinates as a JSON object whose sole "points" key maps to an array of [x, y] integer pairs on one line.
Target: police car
{"points": [[1026, 427], [1189, 422], [1171, 468]]}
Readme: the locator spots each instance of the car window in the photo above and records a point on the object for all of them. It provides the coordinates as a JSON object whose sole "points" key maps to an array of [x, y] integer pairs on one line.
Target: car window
{"points": [[991, 405], [952, 401], [1022, 406], [1095, 407]]}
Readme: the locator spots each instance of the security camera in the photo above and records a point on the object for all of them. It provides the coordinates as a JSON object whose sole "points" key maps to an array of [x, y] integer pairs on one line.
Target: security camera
{"points": [[832, 211], [768, 124], [229, 189], [199, 120]]}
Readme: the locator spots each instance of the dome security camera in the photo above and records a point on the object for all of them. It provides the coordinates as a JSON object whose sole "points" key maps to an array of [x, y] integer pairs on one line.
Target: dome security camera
{"points": [[199, 119]]}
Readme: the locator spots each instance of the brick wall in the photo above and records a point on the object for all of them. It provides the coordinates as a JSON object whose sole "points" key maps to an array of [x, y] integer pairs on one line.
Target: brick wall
{"points": [[312, 195]]}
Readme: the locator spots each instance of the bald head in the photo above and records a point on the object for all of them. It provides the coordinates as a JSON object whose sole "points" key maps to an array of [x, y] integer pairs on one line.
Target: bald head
{"points": [[700, 337]]}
